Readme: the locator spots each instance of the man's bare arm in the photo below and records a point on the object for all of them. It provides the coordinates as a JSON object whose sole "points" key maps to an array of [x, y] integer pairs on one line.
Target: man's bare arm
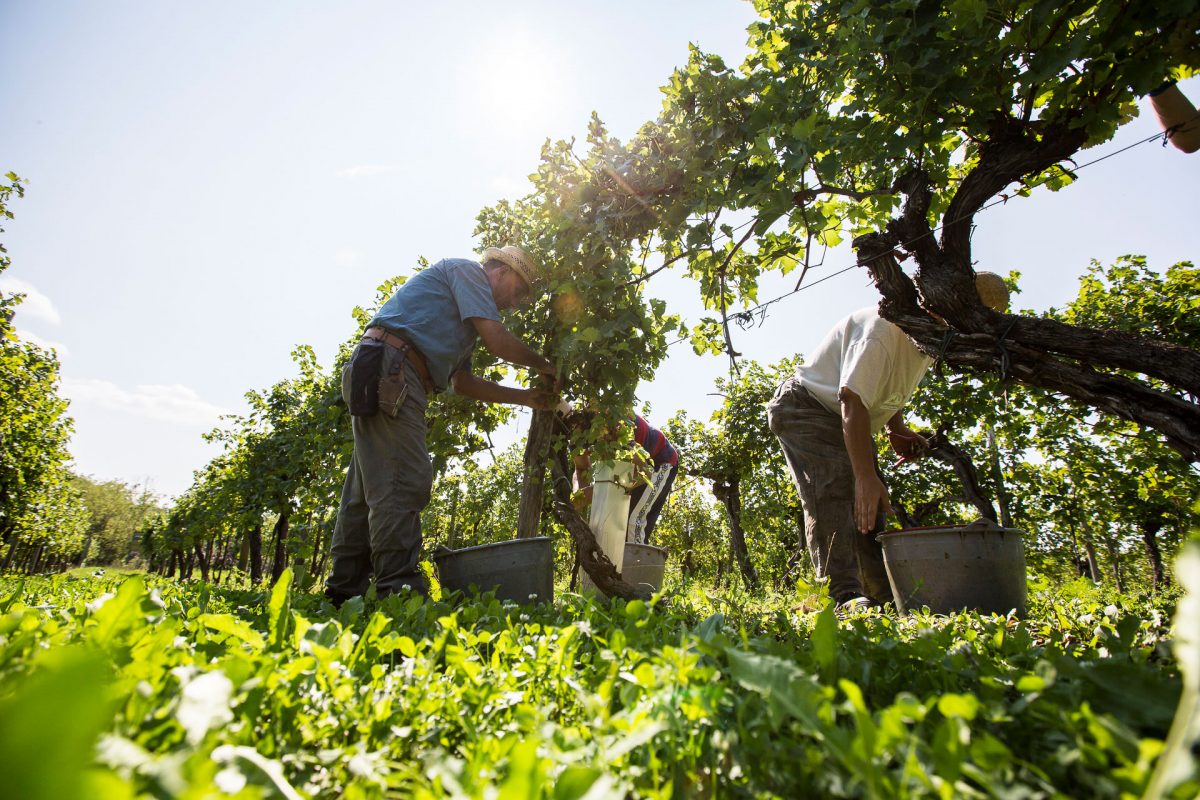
{"points": [[1172, 108], [477, 388], [870, 495], [502, 344]]}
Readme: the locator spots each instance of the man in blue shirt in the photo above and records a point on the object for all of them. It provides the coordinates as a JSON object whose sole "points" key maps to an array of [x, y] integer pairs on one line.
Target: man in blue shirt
{"points": [[419, 342]]}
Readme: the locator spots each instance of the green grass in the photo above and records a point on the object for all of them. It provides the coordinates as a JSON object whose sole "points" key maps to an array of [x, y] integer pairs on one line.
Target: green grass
{"points": [[148, 688]]}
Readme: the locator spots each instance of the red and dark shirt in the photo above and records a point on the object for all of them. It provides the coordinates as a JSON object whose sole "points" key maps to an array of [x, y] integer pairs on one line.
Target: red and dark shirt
{"points": [[653, 442]]}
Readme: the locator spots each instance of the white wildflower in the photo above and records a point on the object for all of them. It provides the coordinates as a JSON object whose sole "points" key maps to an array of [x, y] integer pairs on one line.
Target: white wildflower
{"points": [[230, 780], [204, 704], [95, 605]]}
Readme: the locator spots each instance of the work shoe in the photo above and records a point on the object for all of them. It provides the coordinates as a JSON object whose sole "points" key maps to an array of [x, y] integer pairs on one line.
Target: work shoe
{"points": [[855, 604]]}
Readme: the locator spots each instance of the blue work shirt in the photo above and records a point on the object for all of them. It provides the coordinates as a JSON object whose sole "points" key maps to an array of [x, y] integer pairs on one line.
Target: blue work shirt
{"points": [[432, 310]]}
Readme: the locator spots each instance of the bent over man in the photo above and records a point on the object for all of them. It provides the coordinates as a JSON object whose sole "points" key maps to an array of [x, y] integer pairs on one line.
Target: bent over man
{"points": [[419, 342], [647, 500], [857, 381]]}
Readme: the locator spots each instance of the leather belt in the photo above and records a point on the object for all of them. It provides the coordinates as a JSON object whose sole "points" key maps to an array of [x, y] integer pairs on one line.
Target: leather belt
{"points": [[406, 347]]}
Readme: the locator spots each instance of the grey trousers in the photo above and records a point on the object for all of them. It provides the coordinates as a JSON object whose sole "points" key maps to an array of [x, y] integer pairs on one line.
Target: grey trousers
{"points": [[378, 528], [816, 455]]}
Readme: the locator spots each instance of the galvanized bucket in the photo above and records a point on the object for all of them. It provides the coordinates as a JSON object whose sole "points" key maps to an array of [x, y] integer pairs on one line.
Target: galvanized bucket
{"points": [[521, 570], [643, 565], [952, 568]]}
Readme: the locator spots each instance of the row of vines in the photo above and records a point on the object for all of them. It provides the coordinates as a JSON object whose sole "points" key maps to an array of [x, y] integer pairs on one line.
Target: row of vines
{"points": [[892, 123]]}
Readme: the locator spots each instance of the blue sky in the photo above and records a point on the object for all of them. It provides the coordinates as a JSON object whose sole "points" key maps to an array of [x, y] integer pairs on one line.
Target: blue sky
{"points": [[211, 184]]}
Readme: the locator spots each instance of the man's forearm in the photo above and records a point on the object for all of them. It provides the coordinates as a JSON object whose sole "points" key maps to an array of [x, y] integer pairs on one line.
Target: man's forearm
{"points": [[856, 433], [514, 351], [1173, 108], [484, 390], [501, 343]]}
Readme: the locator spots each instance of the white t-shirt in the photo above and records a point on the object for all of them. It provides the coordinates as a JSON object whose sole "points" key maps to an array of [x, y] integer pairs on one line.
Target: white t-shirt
{"points": [[871, 357]]}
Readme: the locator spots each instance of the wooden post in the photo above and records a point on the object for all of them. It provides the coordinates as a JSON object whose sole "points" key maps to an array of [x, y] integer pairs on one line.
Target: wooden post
{"points": [[281, 536], [533, 481], [256, 562]]}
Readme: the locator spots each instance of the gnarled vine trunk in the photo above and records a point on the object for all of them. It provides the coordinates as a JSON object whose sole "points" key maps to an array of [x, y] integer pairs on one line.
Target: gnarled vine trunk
{"points": [[730, 495], [944, 450], [1039, 352], [1149, 530], [202, 558], [591, 558]]}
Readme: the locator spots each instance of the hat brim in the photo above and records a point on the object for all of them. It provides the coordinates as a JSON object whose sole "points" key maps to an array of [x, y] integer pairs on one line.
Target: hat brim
{"points": [[523, 270]]}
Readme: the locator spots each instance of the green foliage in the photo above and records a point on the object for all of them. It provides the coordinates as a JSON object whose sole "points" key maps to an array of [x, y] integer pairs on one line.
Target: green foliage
{"points": [[193, 691], [1175, 766], [476, 503], [805, 141], [740, 458], [1090, 487], [116, 513], [583, 223], [836, 101], [694, 528], [41, 519]]}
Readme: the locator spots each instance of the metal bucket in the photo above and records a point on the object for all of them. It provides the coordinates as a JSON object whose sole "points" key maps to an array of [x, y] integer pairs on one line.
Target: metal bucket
{"points": [[644, 565], [952, 568], [521, 570]]}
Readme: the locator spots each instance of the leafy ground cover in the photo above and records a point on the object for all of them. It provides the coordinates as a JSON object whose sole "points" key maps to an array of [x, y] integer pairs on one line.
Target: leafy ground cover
{"points": [[118, 686]]}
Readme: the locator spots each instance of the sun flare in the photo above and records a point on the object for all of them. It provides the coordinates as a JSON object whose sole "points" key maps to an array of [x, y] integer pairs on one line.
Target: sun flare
{"points": [[520, 83]]}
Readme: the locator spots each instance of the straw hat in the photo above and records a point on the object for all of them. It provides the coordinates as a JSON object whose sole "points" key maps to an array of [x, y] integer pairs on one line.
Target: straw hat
{"points": [[514, 257], [992, 291]]}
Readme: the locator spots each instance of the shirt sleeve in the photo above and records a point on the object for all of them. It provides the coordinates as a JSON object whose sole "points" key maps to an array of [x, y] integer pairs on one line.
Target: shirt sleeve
{"points": [[866, 369], [472, 292], [465, 364]]}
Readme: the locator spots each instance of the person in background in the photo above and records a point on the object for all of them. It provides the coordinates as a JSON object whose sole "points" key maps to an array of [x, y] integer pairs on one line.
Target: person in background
{"points": [[1173, 109], [646, 501], [856, 382], [420, 342]]}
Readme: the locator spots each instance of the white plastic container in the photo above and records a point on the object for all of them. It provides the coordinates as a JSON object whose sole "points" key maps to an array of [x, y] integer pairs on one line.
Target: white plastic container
{"points": [[610, 513]]}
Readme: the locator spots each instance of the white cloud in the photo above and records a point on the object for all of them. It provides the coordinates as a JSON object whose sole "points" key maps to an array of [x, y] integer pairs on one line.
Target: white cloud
{"points": [[347, 258], [175, 403], [365, 170], [35, 304]]}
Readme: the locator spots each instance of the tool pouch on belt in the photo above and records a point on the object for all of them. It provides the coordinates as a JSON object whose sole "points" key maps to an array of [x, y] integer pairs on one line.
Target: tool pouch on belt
{"points": [[393, 384], [366, 367]]}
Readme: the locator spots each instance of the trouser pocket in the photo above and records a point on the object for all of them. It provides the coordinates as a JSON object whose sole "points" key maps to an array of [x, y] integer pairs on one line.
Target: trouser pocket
{"points": [[393, 384], [366, 367]]}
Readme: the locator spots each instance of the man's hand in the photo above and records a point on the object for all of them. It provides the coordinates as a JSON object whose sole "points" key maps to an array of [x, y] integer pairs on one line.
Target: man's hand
{"points": [[546, 370], [547, 379], [907, 443], [539, 399], [870, 495]]}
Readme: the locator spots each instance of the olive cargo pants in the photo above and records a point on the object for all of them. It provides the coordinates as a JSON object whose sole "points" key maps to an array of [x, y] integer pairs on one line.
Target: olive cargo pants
{"points": [[388, 483], [816, 455]]}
